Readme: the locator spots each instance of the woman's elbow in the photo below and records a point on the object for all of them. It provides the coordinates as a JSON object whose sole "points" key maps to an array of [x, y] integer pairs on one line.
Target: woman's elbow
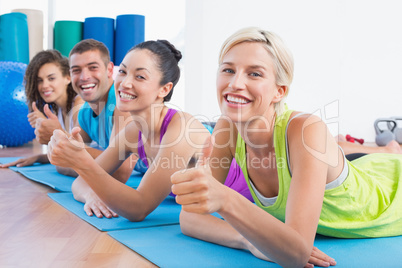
{"points": [[135, 217], [76, 189], [66, 171], [301, 260], [298, 258]]}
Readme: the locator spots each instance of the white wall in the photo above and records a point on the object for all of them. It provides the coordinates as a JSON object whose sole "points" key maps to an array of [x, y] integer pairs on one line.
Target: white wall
{"points": [[348, 55], [347, 52]]}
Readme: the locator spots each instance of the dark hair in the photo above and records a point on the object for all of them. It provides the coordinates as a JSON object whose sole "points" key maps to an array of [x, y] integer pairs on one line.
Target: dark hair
{"points": [[168, 58], [31, 79], [89, 45]]}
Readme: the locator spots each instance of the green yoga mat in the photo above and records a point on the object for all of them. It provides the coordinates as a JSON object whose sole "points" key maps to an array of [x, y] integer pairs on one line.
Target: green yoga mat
{"points": [[66, 35]]}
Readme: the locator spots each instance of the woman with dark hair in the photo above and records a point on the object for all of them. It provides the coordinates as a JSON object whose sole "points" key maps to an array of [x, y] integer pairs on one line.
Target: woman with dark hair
{"points": [[166, 140], [50, 95], [48, 83]]}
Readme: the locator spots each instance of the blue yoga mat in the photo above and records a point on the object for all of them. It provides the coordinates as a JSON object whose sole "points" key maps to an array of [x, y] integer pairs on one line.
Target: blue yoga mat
{"points": [[5, 160], [166, 246], [14, 40], [48, 175], [367, 252], [35, 166], [101, 29], [62, 183], [165, 214], [130, 31]]}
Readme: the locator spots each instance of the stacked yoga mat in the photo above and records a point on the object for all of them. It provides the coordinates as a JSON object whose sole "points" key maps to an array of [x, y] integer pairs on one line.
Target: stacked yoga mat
{"points": [[14, 43], [119, 34], [66, 35], [159, 239], [35, 30], [21, 38], [21, 34]]}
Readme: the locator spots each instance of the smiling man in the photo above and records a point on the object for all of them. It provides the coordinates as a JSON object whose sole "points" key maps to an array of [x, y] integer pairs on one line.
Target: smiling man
{"points": [[92, 78], [91, 74]]}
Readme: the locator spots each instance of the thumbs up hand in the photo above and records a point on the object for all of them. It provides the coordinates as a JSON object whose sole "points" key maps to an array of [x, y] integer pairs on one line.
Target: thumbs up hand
{"points": [[49, 113], [206, 153], [65, 150], [196, 189], [34, 115], [44, 127]]}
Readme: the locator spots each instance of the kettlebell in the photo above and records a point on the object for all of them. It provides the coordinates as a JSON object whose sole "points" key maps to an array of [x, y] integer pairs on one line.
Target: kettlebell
{"points": [[398, 130], [384, 136]]}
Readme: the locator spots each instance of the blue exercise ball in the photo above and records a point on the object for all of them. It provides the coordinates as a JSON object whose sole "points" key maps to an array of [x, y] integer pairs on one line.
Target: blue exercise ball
{"points": [[15, 129]]}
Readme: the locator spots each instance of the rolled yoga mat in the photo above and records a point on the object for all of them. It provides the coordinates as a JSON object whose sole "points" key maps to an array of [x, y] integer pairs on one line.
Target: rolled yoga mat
{"points": [[130, 31], [14, 41], [35, 30], [66, 34], [101, 29]]}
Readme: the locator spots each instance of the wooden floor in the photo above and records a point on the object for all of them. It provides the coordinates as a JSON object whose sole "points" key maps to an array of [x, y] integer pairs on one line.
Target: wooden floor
{"points": [[37, 232]]}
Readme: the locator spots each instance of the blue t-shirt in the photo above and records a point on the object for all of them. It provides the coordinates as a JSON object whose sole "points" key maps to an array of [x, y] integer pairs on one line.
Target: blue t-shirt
{"points": [[99, 127]]}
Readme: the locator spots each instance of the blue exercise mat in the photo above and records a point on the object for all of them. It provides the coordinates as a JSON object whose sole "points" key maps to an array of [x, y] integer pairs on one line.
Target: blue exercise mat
{"points": [[48, 175], [35, 166], [166, 246], [62, 183], [5, 160], [364, 252], [166, 213], [51, 178]]}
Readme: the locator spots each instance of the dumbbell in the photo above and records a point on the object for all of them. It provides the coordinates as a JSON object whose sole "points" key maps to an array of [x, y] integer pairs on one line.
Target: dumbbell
{"points": [[384, 136], [398, 130], [353, 139]]}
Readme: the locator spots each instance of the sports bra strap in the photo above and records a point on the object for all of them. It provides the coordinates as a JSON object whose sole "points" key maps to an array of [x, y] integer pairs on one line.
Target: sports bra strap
{"points": [[141, 151]]}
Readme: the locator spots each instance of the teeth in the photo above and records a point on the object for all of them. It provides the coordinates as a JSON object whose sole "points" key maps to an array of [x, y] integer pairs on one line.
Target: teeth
{"points": [[87, 87], [236, 100], [126, 96], [47, 93]]}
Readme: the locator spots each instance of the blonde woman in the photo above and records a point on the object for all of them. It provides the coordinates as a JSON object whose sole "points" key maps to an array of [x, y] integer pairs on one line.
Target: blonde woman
{"points": [[311, 187]]}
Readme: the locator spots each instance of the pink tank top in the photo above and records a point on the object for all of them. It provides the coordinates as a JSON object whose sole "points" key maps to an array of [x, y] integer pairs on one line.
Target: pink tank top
{"points": [[235, 178], [165, 123]]}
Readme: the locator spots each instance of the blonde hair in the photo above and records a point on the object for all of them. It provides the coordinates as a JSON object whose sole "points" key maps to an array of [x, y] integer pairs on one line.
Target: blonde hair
{"points": [[282, 57]]}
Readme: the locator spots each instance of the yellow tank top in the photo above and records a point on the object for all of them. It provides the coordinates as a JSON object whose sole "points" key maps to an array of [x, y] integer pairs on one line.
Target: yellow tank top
{"points": [[367, 204]]}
